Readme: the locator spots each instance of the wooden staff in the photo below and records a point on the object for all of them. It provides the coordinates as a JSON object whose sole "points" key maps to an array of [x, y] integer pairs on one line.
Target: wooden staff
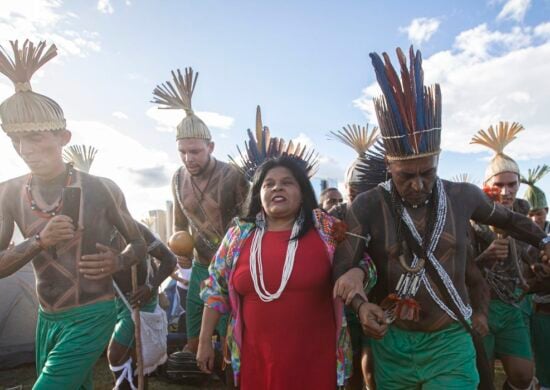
{"points": [[137, 327]]}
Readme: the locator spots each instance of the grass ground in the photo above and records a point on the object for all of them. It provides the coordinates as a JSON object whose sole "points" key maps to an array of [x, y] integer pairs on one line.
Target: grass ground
{"points": [[25, 376]]}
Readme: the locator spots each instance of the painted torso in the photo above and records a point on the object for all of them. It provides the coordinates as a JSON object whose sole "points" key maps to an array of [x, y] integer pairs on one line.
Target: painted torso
{"points": [[59, 284], [211, 210]]}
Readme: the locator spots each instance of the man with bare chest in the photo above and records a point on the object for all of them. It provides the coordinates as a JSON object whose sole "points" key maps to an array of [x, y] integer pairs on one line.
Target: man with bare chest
{"points": [[208, 194], [71, 259], [505, 263], [415, 228]]}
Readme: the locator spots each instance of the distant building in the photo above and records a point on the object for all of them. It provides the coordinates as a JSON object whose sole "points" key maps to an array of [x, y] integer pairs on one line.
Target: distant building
{"points": [[158, 224], [320, 183]]}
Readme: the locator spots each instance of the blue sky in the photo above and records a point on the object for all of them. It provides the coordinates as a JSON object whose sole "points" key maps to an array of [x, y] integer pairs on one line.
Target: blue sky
{"points": [[306, 63]]}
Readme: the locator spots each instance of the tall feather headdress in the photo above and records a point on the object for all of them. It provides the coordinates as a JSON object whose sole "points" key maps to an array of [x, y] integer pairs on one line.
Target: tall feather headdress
{"points": [[534, 195], [372, 168], [81, 156], [359, 139], [409, 113], [177, 95], [26, 110], [497, 139], [261, 147]]}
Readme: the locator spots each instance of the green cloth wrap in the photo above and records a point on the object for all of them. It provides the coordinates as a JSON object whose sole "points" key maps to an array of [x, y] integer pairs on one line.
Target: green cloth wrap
{"points": [[68, 344], [508, 332], [445, 359], [540, 326], [195, 305], [124, 333]]}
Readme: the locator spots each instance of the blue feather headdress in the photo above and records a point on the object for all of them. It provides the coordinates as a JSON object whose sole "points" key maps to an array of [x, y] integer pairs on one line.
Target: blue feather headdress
{"points": [[409, 113], [261, 147]]}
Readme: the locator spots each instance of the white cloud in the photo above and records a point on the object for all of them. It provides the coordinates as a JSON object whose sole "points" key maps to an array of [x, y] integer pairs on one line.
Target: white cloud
{"points": [[121, 158], [514, 9], [105, 6], [44, 20], [480, 42], [304, 140], [119, 115], [543, 30], [167, 120], [328, 167], [421, 29], [490, 76]]}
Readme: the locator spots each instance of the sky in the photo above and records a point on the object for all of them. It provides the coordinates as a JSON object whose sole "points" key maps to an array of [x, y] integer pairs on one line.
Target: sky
{"points": [[306, 63]]}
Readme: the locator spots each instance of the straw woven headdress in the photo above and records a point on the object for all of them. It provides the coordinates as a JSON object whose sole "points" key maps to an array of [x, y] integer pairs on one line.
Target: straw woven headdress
{"points": [[81, 156], [497, 139], [27, 110], [178, 96], [534, 195], [409, 113], [261, 147], [359, 139]]}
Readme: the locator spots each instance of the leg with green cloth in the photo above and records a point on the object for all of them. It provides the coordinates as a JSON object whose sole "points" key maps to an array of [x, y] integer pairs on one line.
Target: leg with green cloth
{"points": [[509, 341], [540, 331], [199, 272], [69, 343], [121, 351], [443, 359]]}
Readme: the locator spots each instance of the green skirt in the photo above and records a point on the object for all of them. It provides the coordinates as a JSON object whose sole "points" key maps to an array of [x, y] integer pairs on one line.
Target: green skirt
{"points": [[445, 359], [69, 343]]}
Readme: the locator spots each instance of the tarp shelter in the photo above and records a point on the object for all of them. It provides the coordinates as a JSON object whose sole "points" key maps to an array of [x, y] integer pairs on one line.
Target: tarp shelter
{"points": [[18, 312]]}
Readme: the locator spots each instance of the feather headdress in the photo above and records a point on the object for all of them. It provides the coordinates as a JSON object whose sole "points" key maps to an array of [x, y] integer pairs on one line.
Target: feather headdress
{"points": [[409, 113], [261, 147], [372, 168], [178, 96], [463, 178], [534, 195], [81, 156], [26, 110], [497, 139], [359, 139]]}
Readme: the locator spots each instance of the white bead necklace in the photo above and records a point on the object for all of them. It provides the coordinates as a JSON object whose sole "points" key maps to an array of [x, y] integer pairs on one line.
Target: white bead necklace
{"points": [[256, 262]]}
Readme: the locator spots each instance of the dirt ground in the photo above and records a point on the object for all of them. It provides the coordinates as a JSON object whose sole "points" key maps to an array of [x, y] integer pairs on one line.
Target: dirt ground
{"points": [[25, 376]]}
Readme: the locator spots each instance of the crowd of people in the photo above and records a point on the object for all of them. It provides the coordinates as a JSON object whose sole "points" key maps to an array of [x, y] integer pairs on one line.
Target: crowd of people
{"points": [[406, 281]]}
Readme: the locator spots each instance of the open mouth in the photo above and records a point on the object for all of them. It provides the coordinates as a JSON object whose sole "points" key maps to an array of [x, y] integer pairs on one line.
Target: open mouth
{"points": [[278, 199]]}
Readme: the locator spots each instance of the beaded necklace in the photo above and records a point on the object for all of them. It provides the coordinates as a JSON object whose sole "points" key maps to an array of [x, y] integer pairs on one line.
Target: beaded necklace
{"points": [[56, 208]]}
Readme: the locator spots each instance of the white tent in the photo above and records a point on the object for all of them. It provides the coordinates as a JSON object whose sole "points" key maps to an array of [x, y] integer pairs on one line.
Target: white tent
{"points": [[18, 312]]}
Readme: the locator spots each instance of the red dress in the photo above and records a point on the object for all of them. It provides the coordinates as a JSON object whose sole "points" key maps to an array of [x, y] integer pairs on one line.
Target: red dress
{"points": [[289, 343]]}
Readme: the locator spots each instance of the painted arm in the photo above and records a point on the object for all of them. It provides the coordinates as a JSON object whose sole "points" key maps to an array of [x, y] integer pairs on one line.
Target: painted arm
{"points": [[349, 268], [516, 225], [478, 289], [14, 257], [159, 251], [120, 217]]}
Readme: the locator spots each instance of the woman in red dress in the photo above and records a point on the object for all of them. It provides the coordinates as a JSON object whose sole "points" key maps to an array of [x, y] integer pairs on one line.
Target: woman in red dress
{"points": [[273, 274]]}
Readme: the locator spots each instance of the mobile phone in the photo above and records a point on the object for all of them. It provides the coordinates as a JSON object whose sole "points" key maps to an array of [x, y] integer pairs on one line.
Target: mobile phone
{"points": [[70, 203]]}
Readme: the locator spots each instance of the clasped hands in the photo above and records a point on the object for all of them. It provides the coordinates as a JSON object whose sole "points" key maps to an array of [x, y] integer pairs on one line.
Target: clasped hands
{"points": [[349, 287]]}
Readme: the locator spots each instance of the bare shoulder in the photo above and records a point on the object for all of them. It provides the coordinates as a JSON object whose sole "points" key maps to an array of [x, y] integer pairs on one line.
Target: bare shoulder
{"points": [[16, 182], [9, 189], [232, 172], [460, 189]]}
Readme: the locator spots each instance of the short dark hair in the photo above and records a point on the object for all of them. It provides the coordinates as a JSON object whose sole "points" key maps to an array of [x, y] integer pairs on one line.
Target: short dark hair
{"points": [[325, 193], [253, 204]]}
